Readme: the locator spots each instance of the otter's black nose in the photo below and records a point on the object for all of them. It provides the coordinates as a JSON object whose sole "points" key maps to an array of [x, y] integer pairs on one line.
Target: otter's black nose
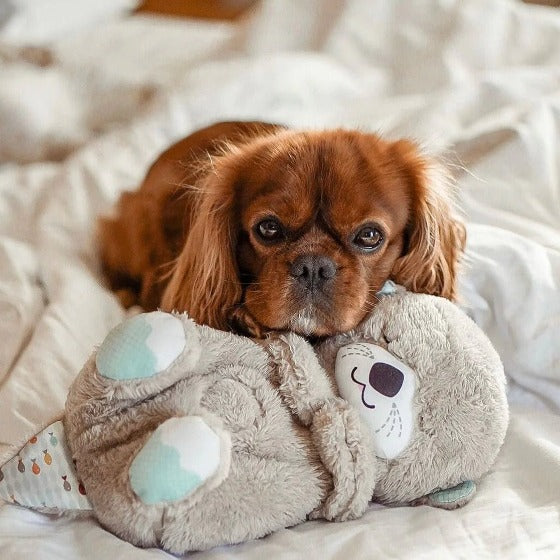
{"points": [[385, 379], [313, 271]]}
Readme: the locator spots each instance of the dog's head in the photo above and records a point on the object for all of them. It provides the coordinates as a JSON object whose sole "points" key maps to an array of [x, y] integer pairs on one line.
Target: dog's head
{"points": [[299, 230]]}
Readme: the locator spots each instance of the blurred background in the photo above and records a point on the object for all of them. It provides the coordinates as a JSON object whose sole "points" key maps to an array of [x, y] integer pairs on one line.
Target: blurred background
{"points": [[71, 70]]}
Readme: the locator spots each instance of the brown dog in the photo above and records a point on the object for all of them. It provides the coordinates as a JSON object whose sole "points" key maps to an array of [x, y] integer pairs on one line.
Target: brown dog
{"points": [[253, 227]]}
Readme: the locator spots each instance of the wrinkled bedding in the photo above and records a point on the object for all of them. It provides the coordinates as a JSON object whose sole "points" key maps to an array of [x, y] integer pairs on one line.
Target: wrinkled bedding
{"points": [[477, 82]]}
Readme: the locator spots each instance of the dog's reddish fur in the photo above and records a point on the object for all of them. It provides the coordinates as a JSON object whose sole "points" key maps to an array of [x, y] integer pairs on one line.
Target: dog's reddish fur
{"points": [[186, 239]]}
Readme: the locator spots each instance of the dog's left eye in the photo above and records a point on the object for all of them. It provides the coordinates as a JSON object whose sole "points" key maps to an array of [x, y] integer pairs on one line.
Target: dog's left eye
{"points": [[269, 230], [369, 238]]}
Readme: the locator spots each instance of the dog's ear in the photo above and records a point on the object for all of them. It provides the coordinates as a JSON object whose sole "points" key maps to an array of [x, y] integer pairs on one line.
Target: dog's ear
{"points": [[205, 280], [435, 237]]}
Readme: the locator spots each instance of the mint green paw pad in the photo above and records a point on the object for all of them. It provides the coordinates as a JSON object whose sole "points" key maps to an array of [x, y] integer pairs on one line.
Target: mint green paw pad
{"points": [[141, 347], [450, 498], [177, 458]]}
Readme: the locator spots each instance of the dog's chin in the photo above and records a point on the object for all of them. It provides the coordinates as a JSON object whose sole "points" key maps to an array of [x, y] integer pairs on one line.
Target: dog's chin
{"points": [[312, 320], [305, 322], [310, 323]]}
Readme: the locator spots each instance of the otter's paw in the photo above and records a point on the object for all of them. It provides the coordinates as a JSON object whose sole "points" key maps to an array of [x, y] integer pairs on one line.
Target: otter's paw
{"points": [[142, 347], [343, 448], [449, 498], [183, 455]]}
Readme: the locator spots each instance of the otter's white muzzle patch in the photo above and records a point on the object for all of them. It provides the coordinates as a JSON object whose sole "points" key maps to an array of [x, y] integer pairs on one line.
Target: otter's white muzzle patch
{"points": [[381, 388]]}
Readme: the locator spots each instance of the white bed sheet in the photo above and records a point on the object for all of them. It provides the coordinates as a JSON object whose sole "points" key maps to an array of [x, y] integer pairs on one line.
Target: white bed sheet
{"points": [[476, 80]]}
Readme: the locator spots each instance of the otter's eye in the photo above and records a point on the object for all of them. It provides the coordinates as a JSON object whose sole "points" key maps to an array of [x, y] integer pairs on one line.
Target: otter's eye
{"points": [[369, 238], [269, 230]]}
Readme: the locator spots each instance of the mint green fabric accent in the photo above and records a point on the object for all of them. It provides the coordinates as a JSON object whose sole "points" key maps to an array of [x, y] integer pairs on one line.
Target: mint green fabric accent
{"points": [[156, 474], [124, 353], [387, 289], [455, 494]]}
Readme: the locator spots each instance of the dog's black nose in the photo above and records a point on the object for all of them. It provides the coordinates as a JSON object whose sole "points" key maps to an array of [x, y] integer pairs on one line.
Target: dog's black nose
{"points": [[386, 379], [312, 271]]}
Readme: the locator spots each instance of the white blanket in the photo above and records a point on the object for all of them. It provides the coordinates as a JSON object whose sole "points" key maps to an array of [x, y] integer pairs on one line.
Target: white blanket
{"points": [[476, 80]]}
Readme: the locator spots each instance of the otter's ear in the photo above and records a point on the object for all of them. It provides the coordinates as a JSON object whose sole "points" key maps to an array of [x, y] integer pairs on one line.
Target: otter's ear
{"points": [[436, 235], [205, 281]]}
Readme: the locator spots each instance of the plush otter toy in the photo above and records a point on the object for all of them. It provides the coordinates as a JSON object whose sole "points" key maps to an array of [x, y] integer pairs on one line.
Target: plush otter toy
{"points": [[185, 437]]}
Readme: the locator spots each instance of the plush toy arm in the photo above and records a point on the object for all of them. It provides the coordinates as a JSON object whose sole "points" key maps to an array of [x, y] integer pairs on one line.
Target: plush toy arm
{"points": [[340, 439], [335, 427], [302, 382]]}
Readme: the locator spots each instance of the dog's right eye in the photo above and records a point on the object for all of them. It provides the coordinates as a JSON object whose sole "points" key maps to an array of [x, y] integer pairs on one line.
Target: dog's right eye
{"points": [[269, 230]]}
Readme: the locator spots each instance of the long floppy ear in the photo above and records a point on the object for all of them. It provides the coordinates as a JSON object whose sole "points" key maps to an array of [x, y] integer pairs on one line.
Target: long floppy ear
{"points": [[436, 235], [205, 281]]}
